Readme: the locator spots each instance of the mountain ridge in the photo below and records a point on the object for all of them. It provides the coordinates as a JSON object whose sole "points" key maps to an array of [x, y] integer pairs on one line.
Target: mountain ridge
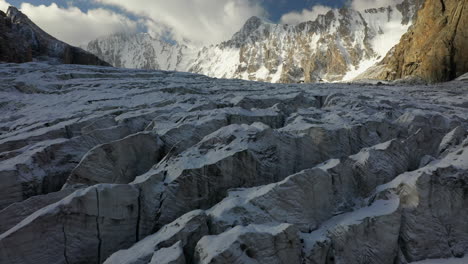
{"points": [[337, 46]]}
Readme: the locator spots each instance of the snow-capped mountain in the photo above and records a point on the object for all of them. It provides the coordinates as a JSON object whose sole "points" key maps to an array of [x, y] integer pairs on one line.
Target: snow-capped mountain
{"points": [[337, 46], [140, 51], [433, 50]]}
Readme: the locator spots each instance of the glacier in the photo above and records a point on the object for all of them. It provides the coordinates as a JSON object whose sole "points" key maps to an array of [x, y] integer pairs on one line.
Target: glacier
{"points": [[109, 165]]}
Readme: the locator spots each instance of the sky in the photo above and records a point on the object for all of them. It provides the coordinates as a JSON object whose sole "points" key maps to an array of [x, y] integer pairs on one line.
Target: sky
{"points": [[200, 22]]}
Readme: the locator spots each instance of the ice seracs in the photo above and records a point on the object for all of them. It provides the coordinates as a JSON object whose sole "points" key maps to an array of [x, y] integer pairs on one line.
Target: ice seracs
{"points": [[108, 165]]}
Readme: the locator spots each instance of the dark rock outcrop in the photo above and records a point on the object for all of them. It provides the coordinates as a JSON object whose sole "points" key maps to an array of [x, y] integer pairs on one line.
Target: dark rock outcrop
{"points": [[13, 47], [21, 41]]}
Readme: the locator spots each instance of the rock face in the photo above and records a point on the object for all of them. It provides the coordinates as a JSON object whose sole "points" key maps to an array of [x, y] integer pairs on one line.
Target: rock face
{"points": [[433, 49], [107, 165], [336, 46], [21, 40]]}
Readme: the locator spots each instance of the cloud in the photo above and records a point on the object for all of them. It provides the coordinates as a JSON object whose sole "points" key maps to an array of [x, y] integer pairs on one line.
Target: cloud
{"points": [[4, 5], [74, 26], [200, 21], [366, 4], [305, 15]]}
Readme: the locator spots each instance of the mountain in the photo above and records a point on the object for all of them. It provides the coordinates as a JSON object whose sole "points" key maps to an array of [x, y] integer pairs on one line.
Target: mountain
{"points": [[434, 49], [13, 47], [21, 41], [119, 166], [336, 46], [140, 51]]}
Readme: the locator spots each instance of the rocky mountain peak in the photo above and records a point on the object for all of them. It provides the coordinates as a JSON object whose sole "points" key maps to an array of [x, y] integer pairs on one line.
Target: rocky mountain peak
{"points": [[22, 40], [17, 16], [13, 47], [252, 23], [12, 12], [250, 26]]}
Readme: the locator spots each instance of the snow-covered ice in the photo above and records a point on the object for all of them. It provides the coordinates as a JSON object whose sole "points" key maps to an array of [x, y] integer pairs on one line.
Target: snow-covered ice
{"points": [[100, 164]]}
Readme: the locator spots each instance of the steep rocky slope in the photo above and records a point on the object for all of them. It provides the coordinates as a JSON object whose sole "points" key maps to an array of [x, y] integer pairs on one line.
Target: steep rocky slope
{"points": [[336, 46], [434, 49], [13, 47], [106, 165], [21, 41]]}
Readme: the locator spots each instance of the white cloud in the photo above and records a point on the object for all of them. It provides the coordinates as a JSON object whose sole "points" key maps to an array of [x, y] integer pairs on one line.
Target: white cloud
{"points": [[366, 4], [4, 5], [200, 21], [305, 15], [74, 26]]}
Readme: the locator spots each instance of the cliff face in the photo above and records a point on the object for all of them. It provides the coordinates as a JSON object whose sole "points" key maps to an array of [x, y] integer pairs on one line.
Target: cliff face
{"points": [[434, 49], [21, 40]]}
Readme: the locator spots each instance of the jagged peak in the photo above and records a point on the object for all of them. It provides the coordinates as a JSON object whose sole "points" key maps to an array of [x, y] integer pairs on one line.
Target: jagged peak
{"points": [[11, 11], [250, 26], [14, 14], [253, 20], [257, 19]]}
